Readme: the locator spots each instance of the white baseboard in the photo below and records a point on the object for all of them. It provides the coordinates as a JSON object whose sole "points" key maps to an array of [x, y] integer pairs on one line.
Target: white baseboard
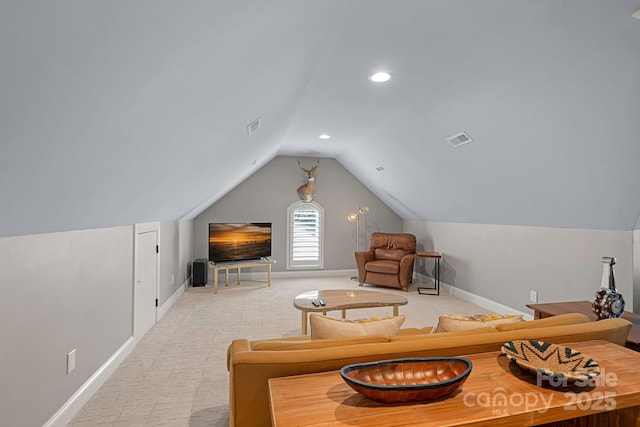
{"points": [[494, 306], [162, 310], [182, 288], [71, 407], [261, 275], [65, 414], [313, 273]]}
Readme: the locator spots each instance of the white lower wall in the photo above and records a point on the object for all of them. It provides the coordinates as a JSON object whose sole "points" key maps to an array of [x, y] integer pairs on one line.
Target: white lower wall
{"points": [[66, 291], [66, 412], [503, 263], [59, 292]]}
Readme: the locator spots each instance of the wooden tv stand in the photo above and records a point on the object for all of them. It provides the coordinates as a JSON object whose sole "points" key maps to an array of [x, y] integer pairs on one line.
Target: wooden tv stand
{"points": [[226, 266]]}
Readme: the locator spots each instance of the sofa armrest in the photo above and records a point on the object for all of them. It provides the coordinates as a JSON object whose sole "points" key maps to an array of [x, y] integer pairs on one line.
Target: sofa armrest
{"points": [[235, 347], [292, 339], [363, 257]]}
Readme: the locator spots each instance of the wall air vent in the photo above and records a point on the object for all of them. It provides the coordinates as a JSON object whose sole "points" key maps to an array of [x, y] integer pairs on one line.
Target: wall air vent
{"points": [[459, 139], [254, 126]]}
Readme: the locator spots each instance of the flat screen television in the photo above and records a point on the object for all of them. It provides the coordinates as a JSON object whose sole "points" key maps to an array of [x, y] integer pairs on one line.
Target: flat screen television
{"points": [[239, 241]]}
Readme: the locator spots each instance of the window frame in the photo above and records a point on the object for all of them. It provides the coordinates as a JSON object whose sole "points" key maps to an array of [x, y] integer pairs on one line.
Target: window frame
{"points": [[300, 265]]}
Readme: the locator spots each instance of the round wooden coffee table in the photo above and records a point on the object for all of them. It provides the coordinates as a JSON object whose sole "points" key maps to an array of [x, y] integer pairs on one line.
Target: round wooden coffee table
{"points": [[343, 299]]}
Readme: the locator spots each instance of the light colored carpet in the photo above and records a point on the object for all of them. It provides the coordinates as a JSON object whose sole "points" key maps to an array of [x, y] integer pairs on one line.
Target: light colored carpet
{"points": [[177, 375]]}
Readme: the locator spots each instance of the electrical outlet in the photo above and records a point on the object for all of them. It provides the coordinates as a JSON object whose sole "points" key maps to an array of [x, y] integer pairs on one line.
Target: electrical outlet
{"points": [[533, 296], [71, 361]]}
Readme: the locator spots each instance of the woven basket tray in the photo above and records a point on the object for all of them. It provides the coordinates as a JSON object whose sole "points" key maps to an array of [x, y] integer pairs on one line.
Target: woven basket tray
{"points": [[406, 380], [551, 360]]}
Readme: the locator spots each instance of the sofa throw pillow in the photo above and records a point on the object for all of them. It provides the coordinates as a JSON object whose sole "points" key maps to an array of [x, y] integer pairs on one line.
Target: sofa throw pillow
{"points": [[329, 327], [460, 322]]}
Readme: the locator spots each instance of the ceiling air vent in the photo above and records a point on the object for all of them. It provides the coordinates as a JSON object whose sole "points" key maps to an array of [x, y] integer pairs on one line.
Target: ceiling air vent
{"points": [[459, 139], [254, 126]]}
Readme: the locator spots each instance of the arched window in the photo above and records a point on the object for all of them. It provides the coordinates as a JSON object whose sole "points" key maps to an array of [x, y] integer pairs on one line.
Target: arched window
{"points": [[305, 235]]}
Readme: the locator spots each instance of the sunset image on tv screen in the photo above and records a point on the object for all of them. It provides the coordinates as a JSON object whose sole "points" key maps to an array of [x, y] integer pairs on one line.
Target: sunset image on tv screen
{"points": [[232, 242]]}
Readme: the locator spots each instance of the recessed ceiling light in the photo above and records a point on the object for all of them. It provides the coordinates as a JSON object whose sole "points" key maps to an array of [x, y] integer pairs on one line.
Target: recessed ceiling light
{"points": [[380, 77], [324, 136]]}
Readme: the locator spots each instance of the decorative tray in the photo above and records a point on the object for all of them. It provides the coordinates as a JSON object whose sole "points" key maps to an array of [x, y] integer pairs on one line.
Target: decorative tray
{"points": [[406, 380], [551, 360]]}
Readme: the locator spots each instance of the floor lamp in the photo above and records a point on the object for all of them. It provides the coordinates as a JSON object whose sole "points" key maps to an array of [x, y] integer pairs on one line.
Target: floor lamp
{"points": [[355, 217]]}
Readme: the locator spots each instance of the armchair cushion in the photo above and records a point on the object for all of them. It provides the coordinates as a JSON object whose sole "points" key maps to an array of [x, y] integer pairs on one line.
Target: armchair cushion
{"points": [[390, 254], [383, 266]]}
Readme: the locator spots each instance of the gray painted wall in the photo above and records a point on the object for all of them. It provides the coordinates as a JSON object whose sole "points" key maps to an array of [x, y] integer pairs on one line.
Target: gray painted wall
{"points": [[169, 249], [60, 291], [185, 242], [65, 291], [266, 195], [503, 263], [636, 271]]}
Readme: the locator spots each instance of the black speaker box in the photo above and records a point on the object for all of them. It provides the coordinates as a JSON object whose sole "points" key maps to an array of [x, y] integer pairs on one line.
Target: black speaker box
{"points": [[199, 271]]}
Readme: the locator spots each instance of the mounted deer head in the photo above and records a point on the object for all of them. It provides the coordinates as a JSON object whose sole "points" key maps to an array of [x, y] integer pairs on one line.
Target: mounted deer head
{"points": [[306, 191]]}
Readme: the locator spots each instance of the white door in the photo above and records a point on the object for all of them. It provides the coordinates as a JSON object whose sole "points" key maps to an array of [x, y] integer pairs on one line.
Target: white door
{"points": [[146, 279]]}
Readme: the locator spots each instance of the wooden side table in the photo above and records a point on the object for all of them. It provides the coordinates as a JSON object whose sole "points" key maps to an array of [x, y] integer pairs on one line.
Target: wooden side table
{"points": [[437, 256], [556, 308]]}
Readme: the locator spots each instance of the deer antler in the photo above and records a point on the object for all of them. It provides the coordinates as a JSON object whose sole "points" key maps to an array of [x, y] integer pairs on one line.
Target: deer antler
{"points": [[311, 171], [316, 167]]}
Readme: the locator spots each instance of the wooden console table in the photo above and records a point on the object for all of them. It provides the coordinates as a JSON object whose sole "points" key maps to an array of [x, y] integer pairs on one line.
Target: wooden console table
{"points": [[553, 309], [226, 266], [496, 393]]}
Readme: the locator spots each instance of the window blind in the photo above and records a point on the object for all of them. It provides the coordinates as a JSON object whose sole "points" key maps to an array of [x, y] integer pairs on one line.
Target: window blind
{"points": [[305, 236]]}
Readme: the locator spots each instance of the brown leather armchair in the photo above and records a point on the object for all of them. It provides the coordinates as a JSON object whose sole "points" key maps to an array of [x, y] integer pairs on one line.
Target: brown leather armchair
{"points": [[389, 260]]}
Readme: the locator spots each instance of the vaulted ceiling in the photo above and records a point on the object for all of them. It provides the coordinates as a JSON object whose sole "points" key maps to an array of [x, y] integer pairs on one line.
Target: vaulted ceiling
{"points": [[118, 112]]}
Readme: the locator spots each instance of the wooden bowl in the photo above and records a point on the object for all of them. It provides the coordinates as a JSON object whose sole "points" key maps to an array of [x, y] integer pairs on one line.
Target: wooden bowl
{"points": [[407, 380], [552, 361]]}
